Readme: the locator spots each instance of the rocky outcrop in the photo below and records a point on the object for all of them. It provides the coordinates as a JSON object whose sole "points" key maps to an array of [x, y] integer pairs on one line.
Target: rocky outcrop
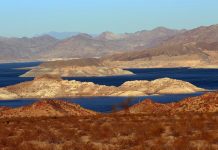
{"points": [[206, 103], [53, 87], [49, 108]]}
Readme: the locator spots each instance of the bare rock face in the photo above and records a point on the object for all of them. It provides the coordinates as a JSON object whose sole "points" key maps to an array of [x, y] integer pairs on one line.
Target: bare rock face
{"points": [[50, 108], [54, 87], [205, 103]]}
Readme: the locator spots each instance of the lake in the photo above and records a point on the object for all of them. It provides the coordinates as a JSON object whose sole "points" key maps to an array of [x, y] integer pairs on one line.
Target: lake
{"points": [[204, 78]]}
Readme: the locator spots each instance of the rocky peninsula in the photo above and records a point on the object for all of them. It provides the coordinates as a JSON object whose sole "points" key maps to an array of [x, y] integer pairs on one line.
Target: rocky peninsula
{"points": [[76, 67]]}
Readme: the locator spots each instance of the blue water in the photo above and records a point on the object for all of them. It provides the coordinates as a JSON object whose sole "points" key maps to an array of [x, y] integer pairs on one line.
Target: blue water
{"points": [[104, 104], [9, 75], [205, 78]]}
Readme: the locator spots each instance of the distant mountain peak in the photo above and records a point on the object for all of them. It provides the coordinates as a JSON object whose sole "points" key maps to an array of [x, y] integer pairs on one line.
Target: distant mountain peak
{"points": [[82, 36], [107, 32], [47, 36], [107, 35], [61, 35], [161, 29]]}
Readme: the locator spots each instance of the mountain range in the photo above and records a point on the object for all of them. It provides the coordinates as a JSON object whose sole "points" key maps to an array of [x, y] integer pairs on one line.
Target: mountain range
{"points": [[82, 45], [189, 42], [193, 48], [199, 45]]}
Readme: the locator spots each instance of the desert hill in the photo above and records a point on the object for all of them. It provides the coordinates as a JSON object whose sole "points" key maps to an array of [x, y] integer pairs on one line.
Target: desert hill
{"points": [[51, 108], [201, 104]]}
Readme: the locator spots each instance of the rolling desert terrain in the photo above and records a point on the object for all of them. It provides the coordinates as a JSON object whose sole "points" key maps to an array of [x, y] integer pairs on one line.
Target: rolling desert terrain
{"points": [[189, 124]]}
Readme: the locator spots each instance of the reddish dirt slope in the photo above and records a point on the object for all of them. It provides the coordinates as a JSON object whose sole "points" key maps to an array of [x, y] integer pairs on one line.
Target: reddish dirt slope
{"points": [[205, 103], [49, 108]]}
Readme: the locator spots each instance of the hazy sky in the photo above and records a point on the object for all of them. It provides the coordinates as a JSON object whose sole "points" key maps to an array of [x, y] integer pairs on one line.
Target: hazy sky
{"points": [[31, 17]]}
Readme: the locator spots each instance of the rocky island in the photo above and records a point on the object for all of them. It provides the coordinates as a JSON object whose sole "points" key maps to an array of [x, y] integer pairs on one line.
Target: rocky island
{"points": [[55, 87]]}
